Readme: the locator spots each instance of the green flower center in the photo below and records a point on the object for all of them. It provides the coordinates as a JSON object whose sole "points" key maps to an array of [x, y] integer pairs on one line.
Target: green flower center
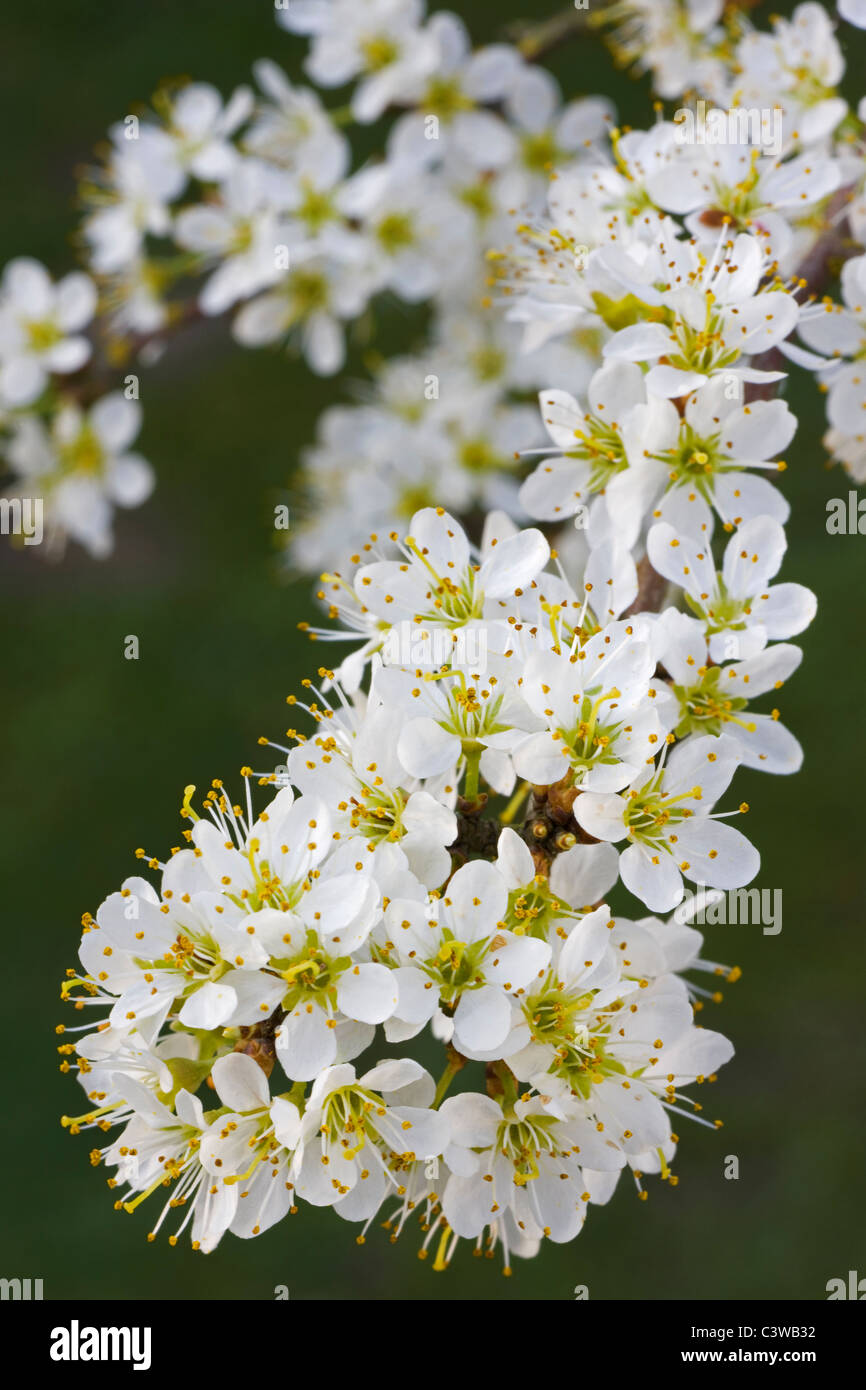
{"points": [[702, 349], [457, 965], [553, 1014], [413, 499], [317, 207], [193, 954], [650, 812], [722, 612], [83, 454], [453, 604], [43, 335], [703, 709], [600, 445], [346, 1118], [478, 198], [589, 741], [311, 975], [446, 99], [524, 1142], [540, 151], [395, 232], [479, 456], [532, 909], [489, 363], [309, 293], [378, 51], [377, 815], [472, 713], [565, 630], [695, 461]]}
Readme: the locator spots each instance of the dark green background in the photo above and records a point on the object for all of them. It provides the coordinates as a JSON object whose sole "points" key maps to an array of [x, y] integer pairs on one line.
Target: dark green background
{"points": [[98, 748]]}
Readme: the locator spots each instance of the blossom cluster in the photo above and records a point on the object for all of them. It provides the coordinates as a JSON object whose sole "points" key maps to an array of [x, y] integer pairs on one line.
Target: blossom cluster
{"points": [[372, 892], [531, 721], [492, 193]]}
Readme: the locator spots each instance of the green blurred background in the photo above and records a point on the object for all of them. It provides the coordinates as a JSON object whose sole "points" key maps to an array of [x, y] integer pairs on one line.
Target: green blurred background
{"points": [[98, 748]]}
